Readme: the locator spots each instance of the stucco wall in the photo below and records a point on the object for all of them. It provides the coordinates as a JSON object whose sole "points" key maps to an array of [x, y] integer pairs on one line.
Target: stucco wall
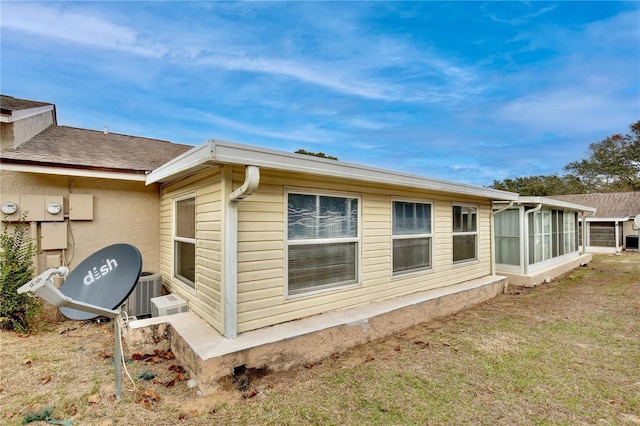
{"points": [[14, 134], [124, 212]]}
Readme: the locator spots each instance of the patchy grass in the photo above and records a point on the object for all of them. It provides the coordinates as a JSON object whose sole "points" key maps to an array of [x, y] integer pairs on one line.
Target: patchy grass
{"points": [[564, 353]]}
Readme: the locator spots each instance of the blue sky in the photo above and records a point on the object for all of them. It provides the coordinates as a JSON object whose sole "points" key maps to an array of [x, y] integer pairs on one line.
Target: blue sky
{"points": [[463, 91]]}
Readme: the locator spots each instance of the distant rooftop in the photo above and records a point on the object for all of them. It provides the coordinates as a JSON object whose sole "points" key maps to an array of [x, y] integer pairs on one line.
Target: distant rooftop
{"points": [[608, 205]]}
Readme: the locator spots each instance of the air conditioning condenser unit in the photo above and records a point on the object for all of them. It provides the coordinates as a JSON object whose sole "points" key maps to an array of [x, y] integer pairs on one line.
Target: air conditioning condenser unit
{"points": [[138, 304]]}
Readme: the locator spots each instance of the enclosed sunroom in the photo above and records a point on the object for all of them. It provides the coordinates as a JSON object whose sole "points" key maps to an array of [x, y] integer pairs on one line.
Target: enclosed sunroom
{"points": [[537, 239]]}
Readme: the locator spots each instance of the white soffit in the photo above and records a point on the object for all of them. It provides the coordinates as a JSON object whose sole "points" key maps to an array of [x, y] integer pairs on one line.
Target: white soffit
{"points": [[68, 171], [217, 152]]}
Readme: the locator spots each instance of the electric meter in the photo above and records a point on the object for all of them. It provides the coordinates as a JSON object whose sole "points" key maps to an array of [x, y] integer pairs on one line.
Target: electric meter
{"points": [[9, 207], [54, 208]]}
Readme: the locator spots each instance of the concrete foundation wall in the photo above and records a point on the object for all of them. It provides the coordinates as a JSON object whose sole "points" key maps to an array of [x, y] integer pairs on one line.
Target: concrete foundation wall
{"points": [[546, 275], [209, 357]]}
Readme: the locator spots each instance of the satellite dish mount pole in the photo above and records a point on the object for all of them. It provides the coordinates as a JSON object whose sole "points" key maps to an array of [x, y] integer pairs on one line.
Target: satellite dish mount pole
{"points": [[42, 286]]}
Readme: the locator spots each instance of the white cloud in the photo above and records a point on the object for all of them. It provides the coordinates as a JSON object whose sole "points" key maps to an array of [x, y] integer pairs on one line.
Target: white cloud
{"points": [[526, 17], [309, 134], [590, 85], [73, 27], [350, 67], [568, 110]]}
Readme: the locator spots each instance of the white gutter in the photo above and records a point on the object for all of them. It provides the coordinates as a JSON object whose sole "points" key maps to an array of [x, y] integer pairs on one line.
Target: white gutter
{"points": [[526, 236], [493, 237], [230, 277], [552, 202], [217, 152]]}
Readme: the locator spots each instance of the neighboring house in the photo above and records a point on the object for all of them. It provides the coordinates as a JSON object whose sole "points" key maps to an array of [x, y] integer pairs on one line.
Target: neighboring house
{"points": [[536, 239], [97, 179], [611, 229]]}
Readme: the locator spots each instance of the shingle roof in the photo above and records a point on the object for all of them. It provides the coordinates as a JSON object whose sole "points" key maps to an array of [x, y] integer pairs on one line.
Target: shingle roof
{"points": [[608, 205], [72, 147], [9, 103]]}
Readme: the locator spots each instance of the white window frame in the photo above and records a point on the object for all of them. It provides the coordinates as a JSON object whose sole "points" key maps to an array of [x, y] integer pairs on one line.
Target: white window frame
{"points": [[315, 241], [540, 237], [569, 228], [463, 233], [191, 285], [429, 236]]}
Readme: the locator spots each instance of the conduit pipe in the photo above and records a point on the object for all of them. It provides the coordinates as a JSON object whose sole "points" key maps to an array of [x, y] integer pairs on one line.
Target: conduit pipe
{"points": [[493, 236], [526, 236], [230, 276]]}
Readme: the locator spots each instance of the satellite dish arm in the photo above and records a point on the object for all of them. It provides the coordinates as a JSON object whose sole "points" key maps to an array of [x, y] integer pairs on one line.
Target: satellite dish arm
{"points": [[42, 286]]}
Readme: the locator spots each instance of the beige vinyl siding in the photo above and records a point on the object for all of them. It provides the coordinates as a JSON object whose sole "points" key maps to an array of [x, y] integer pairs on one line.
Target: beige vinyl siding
{"points": [[262, 231], [206, 299], [261, 246]]}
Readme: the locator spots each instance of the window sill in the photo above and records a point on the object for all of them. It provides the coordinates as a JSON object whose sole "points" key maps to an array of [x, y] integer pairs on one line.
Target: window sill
{"points": [[401, 275]]}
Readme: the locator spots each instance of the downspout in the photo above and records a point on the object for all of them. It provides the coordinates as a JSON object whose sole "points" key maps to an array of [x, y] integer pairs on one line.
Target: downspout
{"points": [[493, 236], [526, 236], [251, 182]]}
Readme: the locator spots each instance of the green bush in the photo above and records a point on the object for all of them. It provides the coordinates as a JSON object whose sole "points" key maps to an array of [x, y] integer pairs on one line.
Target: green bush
{"points": [[16, 269]]}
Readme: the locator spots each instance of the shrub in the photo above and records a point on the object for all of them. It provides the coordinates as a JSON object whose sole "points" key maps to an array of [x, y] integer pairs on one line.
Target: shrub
{"points": [[16, 269]]}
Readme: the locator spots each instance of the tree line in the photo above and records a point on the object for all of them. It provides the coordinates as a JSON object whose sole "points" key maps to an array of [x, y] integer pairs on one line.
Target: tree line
{"points": [[612, 165]]}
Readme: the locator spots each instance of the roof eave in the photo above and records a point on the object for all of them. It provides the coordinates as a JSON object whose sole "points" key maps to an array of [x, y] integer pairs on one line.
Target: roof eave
{"points": [[551, 202], [66, 170], [9, 116], [216, 152]]}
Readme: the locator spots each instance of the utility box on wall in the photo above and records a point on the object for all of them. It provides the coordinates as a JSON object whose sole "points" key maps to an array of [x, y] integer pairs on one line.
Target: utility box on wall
{"points": [[33, 207], [80, 207], [53, 235]]}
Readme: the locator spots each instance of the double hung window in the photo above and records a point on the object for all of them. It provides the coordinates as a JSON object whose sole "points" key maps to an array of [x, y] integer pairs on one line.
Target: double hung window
{"points": [[465, 233], [323, 241], [184, 240], [412, 237]]}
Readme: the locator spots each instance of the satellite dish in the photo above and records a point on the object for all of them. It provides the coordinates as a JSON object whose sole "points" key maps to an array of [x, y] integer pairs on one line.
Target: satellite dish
{"points": [[105, 279], [637, 221]]}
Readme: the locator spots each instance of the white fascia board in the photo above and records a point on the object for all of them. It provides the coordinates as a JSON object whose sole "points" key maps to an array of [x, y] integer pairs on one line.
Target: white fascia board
{"points": [[24, 113], [550, 202], [609, 219], [63, 171], [190, 162], [221, 152]]}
